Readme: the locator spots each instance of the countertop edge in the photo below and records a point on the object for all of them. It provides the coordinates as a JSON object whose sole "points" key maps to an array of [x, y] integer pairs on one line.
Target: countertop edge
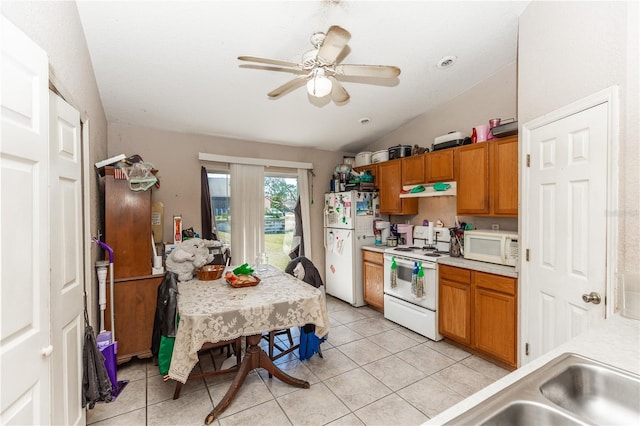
{"points": [[491, 268], [617, 332], [377, 249]]}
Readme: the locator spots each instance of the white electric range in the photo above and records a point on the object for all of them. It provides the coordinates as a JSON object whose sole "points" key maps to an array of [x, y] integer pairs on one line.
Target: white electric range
{"points": [[400, 305]]}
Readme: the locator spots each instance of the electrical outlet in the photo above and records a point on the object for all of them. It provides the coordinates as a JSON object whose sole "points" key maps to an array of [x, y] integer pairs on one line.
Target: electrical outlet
{"points": [[495, 227]]}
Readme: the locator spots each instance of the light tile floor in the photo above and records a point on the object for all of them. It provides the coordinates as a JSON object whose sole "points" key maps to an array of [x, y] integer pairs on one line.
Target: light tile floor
{"points": [[374, 372]]}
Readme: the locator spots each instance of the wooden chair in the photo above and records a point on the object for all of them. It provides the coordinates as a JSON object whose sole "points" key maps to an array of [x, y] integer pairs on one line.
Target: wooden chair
{"points": [[235, 344]]}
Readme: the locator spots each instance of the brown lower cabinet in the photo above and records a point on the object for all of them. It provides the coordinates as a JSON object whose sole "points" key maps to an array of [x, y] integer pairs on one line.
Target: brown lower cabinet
{"points": [[135, 308], [478, 310], [373, 279]]}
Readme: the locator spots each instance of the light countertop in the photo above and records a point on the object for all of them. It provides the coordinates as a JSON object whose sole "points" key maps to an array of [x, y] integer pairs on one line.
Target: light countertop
{"points": [[380, 249], [616, 342], [491, 268]]}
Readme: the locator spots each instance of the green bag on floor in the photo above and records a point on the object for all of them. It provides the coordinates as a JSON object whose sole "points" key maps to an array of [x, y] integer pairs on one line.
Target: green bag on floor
{"points": [[164, 355]]}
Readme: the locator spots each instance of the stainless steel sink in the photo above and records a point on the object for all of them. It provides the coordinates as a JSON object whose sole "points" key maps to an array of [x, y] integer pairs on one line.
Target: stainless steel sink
{"points": [[599, 394], [568, 390], [529, 413]]}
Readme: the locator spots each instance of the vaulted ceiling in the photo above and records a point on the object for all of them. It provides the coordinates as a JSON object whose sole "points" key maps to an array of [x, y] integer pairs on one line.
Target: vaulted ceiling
{"points": [[173, 65]]}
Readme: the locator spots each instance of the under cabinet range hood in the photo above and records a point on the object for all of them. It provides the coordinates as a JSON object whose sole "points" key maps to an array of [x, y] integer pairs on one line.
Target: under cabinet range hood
{"points": [[440, 189]]}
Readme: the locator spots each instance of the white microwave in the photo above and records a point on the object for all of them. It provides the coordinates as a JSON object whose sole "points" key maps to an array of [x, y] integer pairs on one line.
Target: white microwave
{"points": [[491, 246]]}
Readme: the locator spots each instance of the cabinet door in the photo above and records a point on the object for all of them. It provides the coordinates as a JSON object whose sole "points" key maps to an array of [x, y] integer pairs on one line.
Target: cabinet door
{"points": [[495, 324], [413, 170], [472, 165], [454, 311], [134, 312], [504, 176], [373, 280], [390, 173], [390, 183], [128, 228], [439, 166]]}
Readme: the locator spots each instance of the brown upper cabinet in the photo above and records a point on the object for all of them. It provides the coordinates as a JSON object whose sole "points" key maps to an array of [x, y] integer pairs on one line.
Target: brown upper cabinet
{"points": [[487, 178], [439, 166], [413, 170], [504, 176], [390, 183], [428, 168]]}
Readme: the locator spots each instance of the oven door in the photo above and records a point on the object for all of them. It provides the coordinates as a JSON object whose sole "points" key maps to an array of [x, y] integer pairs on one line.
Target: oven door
{"points": [[405, 267]]}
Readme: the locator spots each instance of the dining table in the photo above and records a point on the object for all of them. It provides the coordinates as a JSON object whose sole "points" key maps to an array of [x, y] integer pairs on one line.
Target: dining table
{"points": [[212, 311]]}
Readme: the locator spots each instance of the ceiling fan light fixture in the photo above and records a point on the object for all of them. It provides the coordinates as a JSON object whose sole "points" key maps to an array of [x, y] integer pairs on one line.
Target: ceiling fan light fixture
{"points": [[319, 85]]}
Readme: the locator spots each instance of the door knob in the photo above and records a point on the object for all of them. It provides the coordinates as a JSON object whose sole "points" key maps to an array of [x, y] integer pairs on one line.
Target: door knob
{"points": [[592, 297], [46, 352]]}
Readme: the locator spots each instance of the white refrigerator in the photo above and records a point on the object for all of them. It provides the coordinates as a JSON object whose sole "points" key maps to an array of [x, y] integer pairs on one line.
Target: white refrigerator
{"points": [[348, 225]]}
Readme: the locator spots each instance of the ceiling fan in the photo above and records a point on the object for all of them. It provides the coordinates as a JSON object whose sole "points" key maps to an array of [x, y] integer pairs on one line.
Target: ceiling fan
{"points": [[320, 69]]}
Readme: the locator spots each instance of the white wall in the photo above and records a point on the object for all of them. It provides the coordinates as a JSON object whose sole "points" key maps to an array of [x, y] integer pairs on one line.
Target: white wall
{"points": [[569, 50], [494, 97], [175, 155]]}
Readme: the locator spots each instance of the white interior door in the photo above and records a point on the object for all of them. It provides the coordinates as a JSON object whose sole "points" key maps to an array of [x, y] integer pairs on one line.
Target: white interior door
{"points": [[67, 279], [565, 217], [24, 231]]}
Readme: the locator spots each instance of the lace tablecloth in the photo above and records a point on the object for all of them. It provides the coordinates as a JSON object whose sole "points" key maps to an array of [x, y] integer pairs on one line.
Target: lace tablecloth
{"points": [[211, 311]]}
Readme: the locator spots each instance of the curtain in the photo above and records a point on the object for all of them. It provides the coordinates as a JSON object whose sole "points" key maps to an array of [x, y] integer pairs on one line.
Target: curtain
{"points": [[297, 244], [206, 209], [305, 203], [247, 212]]}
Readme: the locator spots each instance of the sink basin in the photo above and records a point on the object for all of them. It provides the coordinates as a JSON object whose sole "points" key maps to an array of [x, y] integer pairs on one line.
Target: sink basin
{"points": [[600, 395], [529, 413], [568, 390]]}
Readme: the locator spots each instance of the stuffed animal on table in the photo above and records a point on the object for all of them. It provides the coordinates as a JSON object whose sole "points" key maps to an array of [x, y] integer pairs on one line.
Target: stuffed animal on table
{"points": [[188, 256]]}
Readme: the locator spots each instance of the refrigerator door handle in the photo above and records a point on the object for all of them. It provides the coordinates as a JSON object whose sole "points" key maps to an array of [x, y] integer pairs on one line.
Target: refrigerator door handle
{"points": [[326, 239]]}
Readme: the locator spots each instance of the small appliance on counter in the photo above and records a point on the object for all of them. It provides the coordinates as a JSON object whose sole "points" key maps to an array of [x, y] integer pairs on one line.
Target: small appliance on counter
{"points": [[381, 230], [405, 234], [498, 247]]}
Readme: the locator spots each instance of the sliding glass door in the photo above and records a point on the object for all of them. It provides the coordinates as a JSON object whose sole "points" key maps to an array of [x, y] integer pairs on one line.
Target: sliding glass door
{"points": [[281, 195]]}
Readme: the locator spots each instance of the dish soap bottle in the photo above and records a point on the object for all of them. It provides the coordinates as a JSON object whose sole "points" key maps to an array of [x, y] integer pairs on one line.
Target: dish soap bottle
{"points": [[394, 273], [420, 282]]}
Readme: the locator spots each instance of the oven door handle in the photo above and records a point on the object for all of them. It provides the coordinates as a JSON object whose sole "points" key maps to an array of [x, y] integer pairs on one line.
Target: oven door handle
{"points": [[404, 261]]}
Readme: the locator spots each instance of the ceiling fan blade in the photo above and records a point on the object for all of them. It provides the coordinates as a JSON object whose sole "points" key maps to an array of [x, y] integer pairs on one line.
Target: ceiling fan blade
{"points": [[334, 42], [338, 92], [379, 71], [271, 68], [270, 61], [288, 86]]}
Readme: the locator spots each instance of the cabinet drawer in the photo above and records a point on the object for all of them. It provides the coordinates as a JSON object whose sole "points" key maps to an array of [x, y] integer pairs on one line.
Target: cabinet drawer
{"points": [[372, 256], [455, 274], [495, 282]]}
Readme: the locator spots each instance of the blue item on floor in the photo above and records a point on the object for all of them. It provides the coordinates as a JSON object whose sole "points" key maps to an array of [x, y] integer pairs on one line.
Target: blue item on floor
{"points": [[309, 343]]}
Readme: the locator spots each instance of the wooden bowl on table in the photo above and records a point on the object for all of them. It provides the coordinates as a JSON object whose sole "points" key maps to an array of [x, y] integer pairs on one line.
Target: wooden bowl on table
{"points": [[210, 272]]}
